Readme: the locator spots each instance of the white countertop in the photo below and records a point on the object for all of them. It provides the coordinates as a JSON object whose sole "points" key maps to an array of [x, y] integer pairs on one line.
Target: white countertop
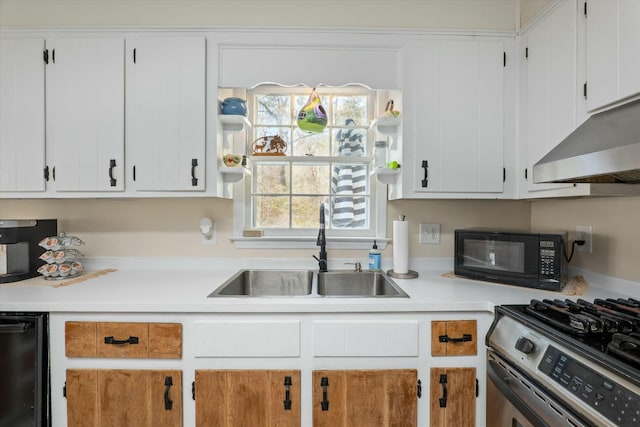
{"points": [[182, 285]]}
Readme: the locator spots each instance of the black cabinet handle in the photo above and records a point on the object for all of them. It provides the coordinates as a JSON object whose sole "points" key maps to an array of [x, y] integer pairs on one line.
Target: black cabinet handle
{"points": [[443, 399], [111, 340], [46, 173], [168, 403], [287, 395], [324, 383], [447, 338], [194, 180], [112, 164], [425, 166]]}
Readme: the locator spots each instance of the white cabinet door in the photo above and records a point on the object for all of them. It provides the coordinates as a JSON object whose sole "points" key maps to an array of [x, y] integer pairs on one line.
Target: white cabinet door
{"points": [[166, 112], [85, 113], [551, 91], [613, 51], [22, 133], [459, 117]]}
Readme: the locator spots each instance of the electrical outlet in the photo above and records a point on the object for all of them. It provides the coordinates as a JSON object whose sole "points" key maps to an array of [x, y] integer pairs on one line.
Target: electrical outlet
{"points": [[583, 232], [430, 234], [210, 239]]}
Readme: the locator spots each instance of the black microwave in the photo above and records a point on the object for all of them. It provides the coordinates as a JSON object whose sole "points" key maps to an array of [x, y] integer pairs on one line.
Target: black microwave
{"points": [[532, 260]]}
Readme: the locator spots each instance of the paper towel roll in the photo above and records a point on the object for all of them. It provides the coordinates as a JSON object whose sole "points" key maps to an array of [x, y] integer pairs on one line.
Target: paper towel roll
{"points": [[401, 247]]}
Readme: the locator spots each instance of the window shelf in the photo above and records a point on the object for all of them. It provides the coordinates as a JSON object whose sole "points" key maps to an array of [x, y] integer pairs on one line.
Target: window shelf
{"points": [[385, 175], [234, 123], [235, 174], [386, 125]]}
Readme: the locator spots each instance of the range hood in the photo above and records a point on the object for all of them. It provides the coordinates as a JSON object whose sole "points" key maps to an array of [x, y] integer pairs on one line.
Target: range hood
{"points": [[604, 149]]}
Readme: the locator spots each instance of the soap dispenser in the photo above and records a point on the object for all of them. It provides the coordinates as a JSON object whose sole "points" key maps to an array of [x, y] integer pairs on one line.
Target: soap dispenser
{"points": [[375, 258]]}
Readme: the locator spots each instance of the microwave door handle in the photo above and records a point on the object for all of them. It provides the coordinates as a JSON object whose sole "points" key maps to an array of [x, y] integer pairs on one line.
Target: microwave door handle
{"points": [[14, 328], [502, 384]]}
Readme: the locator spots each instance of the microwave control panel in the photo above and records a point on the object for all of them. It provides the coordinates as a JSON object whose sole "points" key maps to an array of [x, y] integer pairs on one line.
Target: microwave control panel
{"points": [[547, 258]]}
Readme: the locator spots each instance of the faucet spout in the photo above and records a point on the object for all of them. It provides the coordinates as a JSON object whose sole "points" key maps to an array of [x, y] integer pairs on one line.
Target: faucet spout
{"points": [[322, 242]]}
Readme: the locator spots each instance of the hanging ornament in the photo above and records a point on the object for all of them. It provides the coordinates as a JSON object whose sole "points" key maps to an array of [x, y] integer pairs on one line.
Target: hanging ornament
{"points": [[312, 117]]}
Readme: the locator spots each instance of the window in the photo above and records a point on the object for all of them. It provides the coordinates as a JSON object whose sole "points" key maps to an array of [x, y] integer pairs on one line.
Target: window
{"points": [[294, 171]]}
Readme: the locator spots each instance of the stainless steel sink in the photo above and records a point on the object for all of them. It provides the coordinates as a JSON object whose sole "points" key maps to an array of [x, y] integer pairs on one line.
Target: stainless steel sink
{"points": [[262, 283], [358, 284]]}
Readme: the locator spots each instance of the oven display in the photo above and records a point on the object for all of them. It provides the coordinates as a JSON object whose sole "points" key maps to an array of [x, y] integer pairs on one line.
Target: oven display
{"points": [[618, 404]]}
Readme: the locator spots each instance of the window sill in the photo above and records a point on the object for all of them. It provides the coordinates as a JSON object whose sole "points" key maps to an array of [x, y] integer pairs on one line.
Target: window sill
{"points": [[307, 242]]}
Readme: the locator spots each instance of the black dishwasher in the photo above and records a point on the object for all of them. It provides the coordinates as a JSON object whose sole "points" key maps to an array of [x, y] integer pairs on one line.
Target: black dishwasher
{"points": [[24, 370]]}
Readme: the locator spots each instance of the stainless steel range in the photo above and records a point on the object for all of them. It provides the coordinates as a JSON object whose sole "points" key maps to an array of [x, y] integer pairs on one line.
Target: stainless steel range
{"points": [[564, 363]]}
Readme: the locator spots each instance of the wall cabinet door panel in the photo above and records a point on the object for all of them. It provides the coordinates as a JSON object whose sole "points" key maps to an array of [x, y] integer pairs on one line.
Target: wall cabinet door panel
{"points": [[166, 112], [458, 110], [85, 113], [22, 114]]}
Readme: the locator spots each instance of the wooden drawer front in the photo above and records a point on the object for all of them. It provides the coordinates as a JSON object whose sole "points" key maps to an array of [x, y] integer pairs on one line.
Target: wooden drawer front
{"points": [[454, 338], [365, 339], [121, 340]]}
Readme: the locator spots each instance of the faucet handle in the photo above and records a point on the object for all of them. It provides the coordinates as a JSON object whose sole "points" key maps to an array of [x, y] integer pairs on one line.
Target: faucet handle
{"points": [[358, 266]]}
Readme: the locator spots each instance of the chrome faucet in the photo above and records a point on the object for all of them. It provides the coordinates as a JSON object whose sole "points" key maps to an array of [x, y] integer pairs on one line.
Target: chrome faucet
{"points": [[322, 242]]}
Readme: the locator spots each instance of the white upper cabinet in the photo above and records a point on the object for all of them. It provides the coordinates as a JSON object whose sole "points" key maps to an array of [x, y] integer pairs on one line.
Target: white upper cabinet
{"points": [[22, 115], [613, 51], [165, 131], [85, 113], [454, 119], [550, 91]]}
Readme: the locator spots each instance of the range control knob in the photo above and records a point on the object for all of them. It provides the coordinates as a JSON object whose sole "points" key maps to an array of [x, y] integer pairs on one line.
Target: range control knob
{"points": [[525, 345]]}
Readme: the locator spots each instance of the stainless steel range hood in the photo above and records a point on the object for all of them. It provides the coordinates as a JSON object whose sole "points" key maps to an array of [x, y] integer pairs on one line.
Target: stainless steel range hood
{"points": [[604, 149]]}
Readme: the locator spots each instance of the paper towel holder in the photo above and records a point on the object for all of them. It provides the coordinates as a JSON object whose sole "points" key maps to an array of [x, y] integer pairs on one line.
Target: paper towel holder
{"points": [[411, 274]]}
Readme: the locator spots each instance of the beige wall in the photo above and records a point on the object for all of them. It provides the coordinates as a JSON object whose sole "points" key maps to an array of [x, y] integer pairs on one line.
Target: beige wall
{"points": [[616, 231], [170, 227], [461, 14]]}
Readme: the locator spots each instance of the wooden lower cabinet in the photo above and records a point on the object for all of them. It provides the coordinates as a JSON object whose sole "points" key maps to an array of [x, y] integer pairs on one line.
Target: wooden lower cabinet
{"points": [[108, 397], [242, 398], [365, 398], [453, 397]]}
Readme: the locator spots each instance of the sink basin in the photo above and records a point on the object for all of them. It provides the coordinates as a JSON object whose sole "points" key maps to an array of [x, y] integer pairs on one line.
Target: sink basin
{"points": [[358, 284], [261, 283]]}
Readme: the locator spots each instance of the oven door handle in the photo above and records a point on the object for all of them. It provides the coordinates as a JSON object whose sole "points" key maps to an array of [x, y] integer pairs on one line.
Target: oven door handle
{"points": [[502, 383]]}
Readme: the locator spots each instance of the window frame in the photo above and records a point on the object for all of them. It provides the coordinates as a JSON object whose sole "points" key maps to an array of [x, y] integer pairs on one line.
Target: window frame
{"points": [[288, 238]]}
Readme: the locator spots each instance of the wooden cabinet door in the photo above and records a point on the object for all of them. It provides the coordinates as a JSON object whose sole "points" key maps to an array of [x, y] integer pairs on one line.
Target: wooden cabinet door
{"points": [[22, 131], [453, 397], [115, 398], [256, 398], [385, 397], [166, 112], [459, 116], [85, 113]]}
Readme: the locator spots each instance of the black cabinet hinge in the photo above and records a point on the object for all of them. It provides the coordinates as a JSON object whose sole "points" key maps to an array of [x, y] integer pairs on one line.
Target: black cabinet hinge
{"points": [[53, 56], [45, 56], [64, 390], [504, 174], [193, 390], [46, 173], [134, 55], [526, 52], [477, 388], [419, 389], [504, 59], [584, 90], [134, 172], [585, 9]]}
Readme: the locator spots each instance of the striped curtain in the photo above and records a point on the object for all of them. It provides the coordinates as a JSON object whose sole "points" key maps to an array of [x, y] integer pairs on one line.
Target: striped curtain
{"points": [[348, 182]]}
